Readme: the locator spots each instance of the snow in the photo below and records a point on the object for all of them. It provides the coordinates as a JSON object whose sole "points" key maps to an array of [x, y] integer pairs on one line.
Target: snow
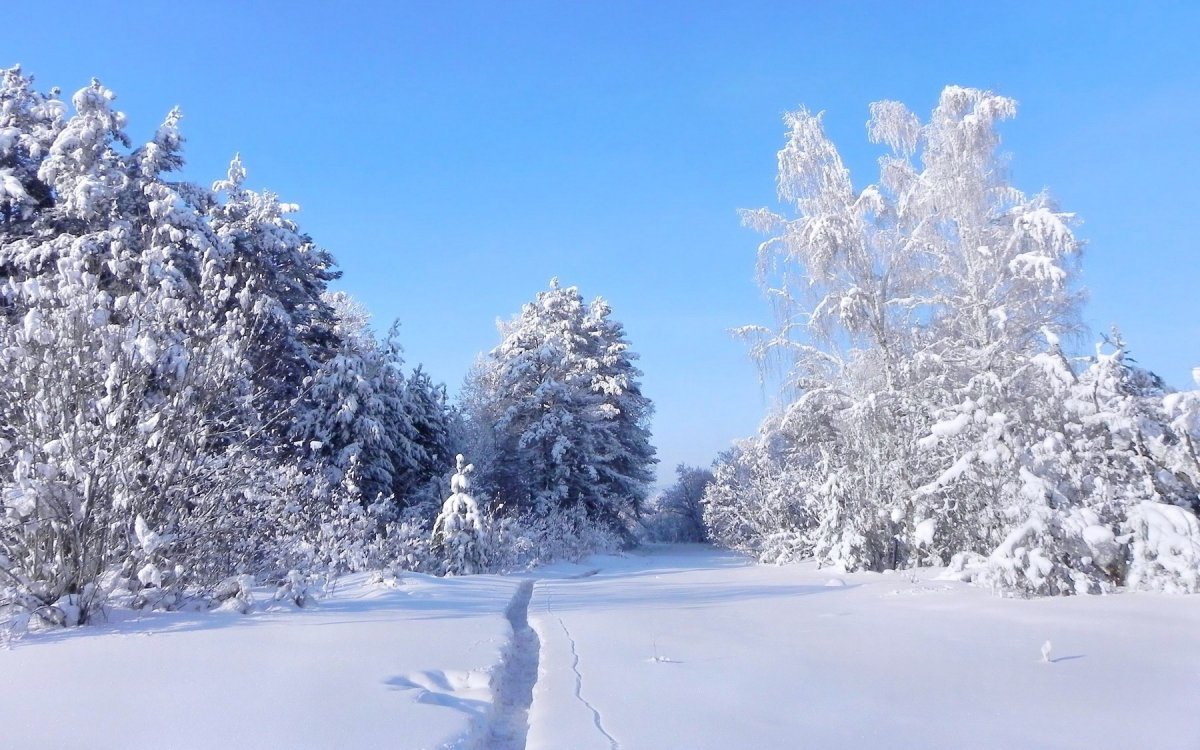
{"points": [[370, 666], [766, 656], [673, 646], [924, 531], [10, 187], [1166, 548]]}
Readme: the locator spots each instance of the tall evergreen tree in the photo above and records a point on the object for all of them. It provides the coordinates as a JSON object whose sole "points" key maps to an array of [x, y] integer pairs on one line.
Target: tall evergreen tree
{"points": [[429, 413], [282, 276], [560, 406]]}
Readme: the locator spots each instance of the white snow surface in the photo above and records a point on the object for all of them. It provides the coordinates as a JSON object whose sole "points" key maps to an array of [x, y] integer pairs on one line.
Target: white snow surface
{"points": [[687, 647], [673, 646], [372, 665]]}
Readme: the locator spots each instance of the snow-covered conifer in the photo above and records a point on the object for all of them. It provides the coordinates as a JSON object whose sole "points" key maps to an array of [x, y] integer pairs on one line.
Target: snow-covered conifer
{"points": [[278, 277], [431, 419], [355, 413], [460, 531], [561, 409]]}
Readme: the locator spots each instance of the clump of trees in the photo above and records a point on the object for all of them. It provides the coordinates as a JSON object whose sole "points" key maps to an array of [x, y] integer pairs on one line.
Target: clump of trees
{"points": [[182, 400], [677, 513], [933, 416], [187, 409]]}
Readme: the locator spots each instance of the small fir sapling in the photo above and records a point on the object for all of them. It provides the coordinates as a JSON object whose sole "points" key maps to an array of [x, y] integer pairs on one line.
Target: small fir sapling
{"points": [[459, 532]]}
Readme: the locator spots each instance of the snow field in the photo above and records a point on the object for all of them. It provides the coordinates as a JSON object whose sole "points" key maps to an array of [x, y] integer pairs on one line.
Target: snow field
{"points": [[406, 667], [676, 646], [695, 648]]}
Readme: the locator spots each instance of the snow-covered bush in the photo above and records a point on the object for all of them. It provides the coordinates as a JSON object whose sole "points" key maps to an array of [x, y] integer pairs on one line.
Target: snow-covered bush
{"points": [[1165, 548], [537, 538], [235, 594], [1053, 554], [295, 588]]}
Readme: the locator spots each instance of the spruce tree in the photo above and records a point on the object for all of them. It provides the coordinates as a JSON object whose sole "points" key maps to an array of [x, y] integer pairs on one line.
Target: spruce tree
{"points": [[560, 406]]}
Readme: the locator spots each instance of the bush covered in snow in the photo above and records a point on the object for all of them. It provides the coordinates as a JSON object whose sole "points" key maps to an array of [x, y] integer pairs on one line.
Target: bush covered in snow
{"points": [[1165, 548]]}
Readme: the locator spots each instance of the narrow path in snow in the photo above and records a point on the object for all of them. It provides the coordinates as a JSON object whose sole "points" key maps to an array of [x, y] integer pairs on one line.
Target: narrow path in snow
{"points": [[596, 719], [513, 681]]}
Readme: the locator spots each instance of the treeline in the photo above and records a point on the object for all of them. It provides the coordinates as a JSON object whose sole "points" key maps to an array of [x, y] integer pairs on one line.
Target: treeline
{"points": [[186, 409]]}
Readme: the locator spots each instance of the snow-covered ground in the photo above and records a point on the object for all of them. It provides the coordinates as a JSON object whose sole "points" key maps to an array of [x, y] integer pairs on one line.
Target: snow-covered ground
{"points": [[672, 647], [372, 666], [694, 648]]}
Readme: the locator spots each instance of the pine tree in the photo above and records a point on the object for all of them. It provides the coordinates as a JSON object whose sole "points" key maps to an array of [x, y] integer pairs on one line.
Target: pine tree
{"points": [[560, 406], [355, 412], [283, 278], [431, 419], [30, 121]]}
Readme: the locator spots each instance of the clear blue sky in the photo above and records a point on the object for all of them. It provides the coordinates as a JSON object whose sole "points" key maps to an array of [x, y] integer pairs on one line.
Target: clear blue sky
{"points": [[454, 156]]}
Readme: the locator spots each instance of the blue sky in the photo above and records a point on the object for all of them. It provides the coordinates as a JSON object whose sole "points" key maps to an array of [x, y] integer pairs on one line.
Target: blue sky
{"points": [[454, 156]]}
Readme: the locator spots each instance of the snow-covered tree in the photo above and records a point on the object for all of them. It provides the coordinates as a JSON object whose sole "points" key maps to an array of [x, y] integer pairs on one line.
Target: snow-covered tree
{"points": [[559, 404], [460, 531], [117, 381], [282, 277], [677, 514], [30, 122], [355, 414], [160, 348], [626, 468], [432, 423], [933, 414]]}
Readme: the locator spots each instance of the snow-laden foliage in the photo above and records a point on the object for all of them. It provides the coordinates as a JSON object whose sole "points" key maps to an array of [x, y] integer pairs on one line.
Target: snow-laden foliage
{"points": [[677, 514], [755, 503], [282, 277], [357, 417], [180, 402], [1165, 548], [466, 539], [460, 531], [557, 416], [933, 416]]}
